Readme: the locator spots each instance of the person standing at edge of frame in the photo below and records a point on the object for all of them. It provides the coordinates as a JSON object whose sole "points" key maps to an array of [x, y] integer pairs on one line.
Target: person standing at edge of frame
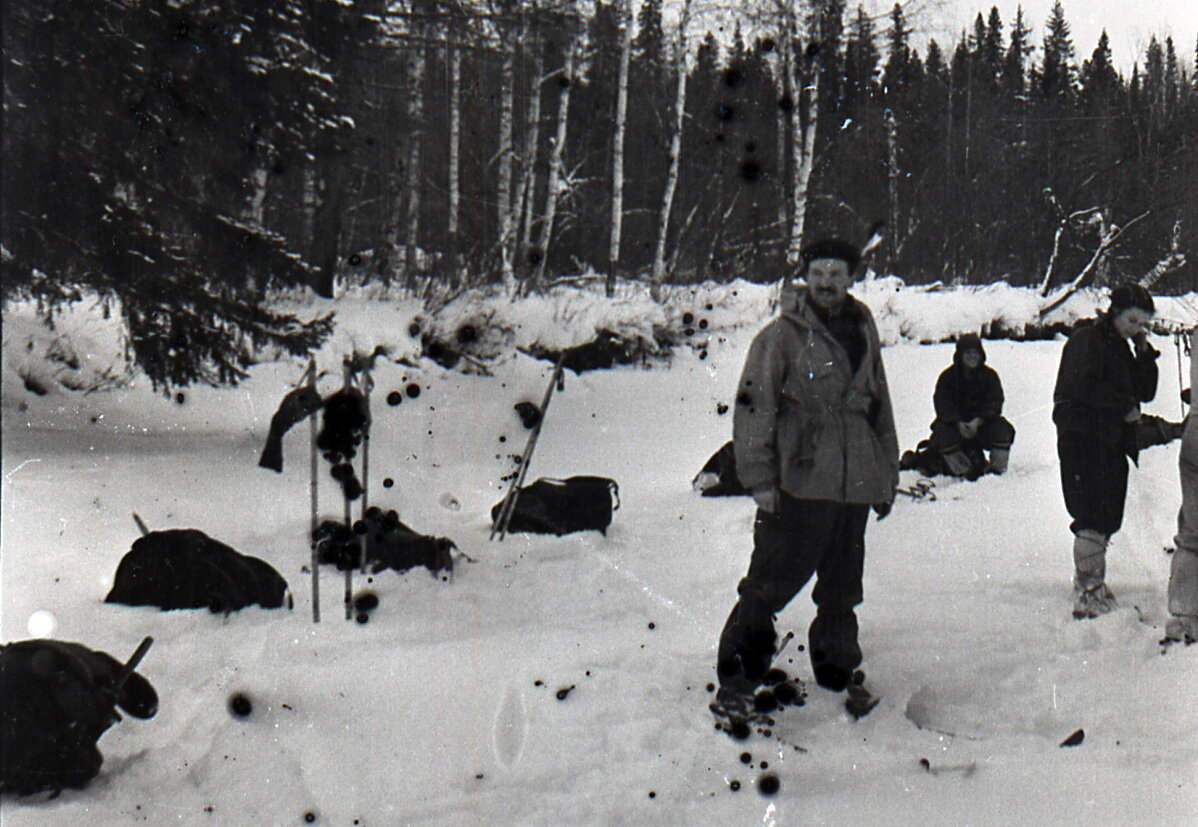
{"points": [[815, 443], [1183, 570], [1096, 404]]}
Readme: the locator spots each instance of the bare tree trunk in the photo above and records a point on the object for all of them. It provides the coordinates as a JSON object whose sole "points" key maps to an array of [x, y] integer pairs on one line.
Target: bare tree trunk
{"points": [[803, 147], [893, 175], [455, 151], [308, 202], [617, 175], [506, 155], [553, 189], [785, 78], [258, 189], [1109, 235], [526, 189], [412, 173], [675, 159], [1174, 260]]}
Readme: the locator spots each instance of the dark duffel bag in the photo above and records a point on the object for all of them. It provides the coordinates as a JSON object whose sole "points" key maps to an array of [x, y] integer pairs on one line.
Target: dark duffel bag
{"points": [[550, 506], [187, 569]]}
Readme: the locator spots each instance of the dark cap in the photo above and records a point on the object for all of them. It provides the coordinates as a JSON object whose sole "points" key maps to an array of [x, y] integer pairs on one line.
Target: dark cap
{"points": [[1130, 295], [832, 248]]}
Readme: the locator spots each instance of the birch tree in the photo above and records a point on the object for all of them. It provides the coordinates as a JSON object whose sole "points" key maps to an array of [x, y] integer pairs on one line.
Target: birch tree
{"points": [[412, 171], [803, 151], [674, 160], [455, 153], [617, 175], [503, 195], [553, 189], [523, 202]]}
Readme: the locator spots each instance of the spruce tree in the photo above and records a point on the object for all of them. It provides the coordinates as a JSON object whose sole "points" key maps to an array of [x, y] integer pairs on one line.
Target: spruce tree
{"points": [[162, 117]]}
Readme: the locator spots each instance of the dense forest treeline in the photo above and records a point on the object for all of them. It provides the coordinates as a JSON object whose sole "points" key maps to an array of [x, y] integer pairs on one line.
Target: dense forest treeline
{"points": [[184, 157]]}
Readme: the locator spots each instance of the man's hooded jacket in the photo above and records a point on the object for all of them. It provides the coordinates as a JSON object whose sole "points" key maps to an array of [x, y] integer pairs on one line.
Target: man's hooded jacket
{"points": [[804, 421]]}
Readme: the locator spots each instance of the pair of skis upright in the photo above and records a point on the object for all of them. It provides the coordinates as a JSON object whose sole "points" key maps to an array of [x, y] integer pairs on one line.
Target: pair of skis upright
{"points": [[365, 384]]}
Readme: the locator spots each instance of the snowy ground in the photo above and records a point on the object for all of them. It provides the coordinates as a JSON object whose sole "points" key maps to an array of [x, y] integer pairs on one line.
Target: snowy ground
{"points": [[443, 708]]}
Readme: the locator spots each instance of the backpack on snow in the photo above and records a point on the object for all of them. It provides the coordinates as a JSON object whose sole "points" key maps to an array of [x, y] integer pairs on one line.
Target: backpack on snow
{"points": [[551, 506], [187, 569], [389, 544], [56, 699]]}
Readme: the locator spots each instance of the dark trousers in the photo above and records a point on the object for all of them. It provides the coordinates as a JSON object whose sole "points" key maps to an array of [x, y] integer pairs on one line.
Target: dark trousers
{"points": [[993, 433], [803, 538], [1094, 481]]}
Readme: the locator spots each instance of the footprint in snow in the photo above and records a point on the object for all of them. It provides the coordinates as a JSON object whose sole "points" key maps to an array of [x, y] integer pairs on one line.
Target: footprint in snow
{"points": [[511, 725]]}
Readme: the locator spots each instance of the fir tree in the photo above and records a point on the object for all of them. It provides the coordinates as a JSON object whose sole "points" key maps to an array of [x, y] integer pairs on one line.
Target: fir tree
{"points": [[163, 116]]}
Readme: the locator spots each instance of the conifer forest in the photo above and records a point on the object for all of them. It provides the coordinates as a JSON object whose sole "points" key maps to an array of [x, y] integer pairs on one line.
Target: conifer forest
{"points": [[186, 158]]}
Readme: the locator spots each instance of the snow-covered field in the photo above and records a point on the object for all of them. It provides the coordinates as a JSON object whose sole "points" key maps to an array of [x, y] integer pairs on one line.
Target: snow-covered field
{"points": [[444, 708]]}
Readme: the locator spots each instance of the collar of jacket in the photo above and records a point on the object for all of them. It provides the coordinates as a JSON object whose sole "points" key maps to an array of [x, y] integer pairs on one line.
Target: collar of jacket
{"points": [[796, 308]]}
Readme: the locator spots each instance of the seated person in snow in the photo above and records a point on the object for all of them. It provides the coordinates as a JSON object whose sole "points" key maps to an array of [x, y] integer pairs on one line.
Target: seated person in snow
{"points": [[968, 401]]}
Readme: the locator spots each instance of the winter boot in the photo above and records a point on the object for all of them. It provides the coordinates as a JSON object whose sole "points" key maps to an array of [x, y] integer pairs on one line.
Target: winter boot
{"points": [[957, 463], [1091, 597], [999, 457], [1182, 628], [1183, 583]]}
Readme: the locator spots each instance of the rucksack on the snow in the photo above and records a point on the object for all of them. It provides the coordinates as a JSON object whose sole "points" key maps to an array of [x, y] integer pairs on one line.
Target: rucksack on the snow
{"points": [[551, 506], [187, 569], [56, 700], [718, 477], [389, 544]]}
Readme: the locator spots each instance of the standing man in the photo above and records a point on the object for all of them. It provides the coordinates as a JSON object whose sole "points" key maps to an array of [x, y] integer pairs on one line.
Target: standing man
{"points": [[1096, 405], [815, 443]]}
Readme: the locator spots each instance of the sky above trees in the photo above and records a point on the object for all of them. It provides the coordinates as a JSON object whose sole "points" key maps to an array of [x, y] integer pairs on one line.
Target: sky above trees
{"points": [[1129, 23]]}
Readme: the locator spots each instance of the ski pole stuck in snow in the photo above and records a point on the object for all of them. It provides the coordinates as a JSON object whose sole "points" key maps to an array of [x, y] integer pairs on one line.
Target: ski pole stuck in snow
{"points": [[500, 525], [310, 377]]}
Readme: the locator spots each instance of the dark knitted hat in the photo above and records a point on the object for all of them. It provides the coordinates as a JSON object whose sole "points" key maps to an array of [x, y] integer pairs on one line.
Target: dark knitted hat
{"points": [[1131, 295], [832, 248]]}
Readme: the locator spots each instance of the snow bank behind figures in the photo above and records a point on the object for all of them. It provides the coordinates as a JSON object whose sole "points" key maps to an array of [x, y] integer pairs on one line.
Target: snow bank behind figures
{"points": [[51, 372]]}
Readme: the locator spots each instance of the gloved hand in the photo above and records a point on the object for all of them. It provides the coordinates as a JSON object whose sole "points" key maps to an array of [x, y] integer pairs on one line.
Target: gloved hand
{"points": [[882, 509], [767, 499], [1133, 415]]}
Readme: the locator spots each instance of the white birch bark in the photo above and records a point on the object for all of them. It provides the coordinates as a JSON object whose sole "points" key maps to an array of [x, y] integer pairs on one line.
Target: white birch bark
{"points": [[553, 190], [1172, 261], [526, 189], [803, 148], [506, 157], [893, 186], [617, 175], [667, 199], [412, 173], [455, 147]]}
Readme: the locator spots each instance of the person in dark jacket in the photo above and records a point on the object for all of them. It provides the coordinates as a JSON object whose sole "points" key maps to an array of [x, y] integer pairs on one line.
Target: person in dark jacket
{"points": [[1100, 385], [815, 444], [968, 401]]}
